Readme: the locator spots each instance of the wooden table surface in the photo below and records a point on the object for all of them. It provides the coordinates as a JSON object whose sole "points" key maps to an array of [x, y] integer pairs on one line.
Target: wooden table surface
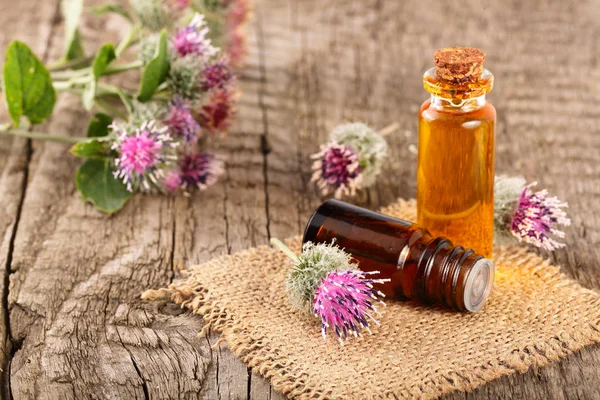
{"points": [[71, 322]]}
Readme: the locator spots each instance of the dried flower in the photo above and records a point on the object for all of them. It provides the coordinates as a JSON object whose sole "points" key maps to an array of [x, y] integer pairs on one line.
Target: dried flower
{"points": [[536, 218], [178, 5], [237, 47], [192, 39], [216, 75], [528, 216], [200, 170], [371, 147], [181, 122], [325, 281], [336, 169], [238, 13], [344, 302], [142, 155], [217, 114]]}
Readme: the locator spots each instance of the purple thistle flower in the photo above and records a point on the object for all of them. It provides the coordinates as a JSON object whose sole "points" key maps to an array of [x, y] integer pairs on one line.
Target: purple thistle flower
{"points": [[181, 121], [192, 39], [143, 155], [199, 169], [216, 75], [344, 302], [172, 181], [535, 219], [336, 169]]}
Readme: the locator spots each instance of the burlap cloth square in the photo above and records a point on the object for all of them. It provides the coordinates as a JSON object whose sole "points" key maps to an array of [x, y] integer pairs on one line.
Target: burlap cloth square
{"points": [[534, 315]]}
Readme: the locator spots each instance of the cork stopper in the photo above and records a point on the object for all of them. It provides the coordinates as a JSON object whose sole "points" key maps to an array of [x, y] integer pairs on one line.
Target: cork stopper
{"points": [[459, 64]]}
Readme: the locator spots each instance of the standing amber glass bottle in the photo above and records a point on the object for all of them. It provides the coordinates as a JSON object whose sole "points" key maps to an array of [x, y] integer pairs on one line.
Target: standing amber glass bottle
{"points": [[456, 166], [418, 265]]}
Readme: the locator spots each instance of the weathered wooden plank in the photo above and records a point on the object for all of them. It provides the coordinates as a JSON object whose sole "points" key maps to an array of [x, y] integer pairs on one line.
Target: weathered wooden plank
{"points": [[229, 217], [312, 65], [14, 157], [364, 60], [76, 279]]}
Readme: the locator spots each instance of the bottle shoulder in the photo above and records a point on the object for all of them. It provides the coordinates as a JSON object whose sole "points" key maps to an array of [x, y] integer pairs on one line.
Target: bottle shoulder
{"points": [[487, 111]]}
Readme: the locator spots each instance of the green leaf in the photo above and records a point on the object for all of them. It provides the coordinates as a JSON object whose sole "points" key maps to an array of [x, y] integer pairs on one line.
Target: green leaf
{"points": [[91, 149], [111, 8], [27, 85], [105, 56], [97, 184], [75, 50], [71, 11], [98, 126], [156, 70]]}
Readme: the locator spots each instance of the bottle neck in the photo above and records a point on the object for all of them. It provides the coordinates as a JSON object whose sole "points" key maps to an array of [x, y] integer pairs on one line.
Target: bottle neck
{"points": [[454, 276], [456, 104]]}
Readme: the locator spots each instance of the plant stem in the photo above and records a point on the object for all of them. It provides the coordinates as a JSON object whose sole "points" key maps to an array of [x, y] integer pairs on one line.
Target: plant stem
{"points": [[68, 86], [390, 129], [286, 250], [127, 40], [115, 69], [109, 109], [62, 65], [42, 136], [69, 74]]}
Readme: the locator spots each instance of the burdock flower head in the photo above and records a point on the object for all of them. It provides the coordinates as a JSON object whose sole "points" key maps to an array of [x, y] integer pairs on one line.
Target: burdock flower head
{"points": [[325, 281], [531, 217], [352, 159], [192, 39], [200, 170], [181, 122], [337, 169], [194, 170], [153, 14], [216, 115], [184, 77], [216, 75], [371, 147], [143, 154]]}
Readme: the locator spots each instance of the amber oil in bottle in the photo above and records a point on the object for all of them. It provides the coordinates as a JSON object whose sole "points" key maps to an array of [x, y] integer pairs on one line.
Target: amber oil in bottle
{"points": [[419, 266], [456, 162]]}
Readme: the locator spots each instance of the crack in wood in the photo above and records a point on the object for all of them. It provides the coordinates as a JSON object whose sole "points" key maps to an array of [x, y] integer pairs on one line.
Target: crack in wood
{"points": [[12, 345], [264, 138]]}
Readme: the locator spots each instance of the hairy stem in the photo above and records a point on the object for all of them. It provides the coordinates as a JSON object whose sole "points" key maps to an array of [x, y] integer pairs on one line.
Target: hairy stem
{"points": [[390, 129], [62, 64], [41, 136], [128, 40], [109, 109], [115, 69], [286, 250]]}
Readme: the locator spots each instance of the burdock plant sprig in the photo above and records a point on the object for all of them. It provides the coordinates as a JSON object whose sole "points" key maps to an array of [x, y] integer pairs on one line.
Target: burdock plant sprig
{"points": [[351, 160], [324, 280], [152, 139], [527, 216]]}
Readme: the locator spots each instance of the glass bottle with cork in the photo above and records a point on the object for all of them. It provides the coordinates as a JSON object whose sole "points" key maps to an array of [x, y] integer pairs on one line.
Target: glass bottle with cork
{"points": [[456, 162], [418, 265]]}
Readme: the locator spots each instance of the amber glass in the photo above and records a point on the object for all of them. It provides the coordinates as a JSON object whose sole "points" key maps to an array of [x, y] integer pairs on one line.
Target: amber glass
{"points": [[456, 163], [418, 265]]}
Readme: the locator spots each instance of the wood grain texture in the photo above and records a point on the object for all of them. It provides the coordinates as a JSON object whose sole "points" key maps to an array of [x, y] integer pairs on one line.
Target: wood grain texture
{"points": [[72, 325]]}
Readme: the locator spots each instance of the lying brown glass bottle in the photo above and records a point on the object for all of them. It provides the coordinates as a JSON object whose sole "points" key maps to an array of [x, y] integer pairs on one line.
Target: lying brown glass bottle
{"points": [[419, 266]]}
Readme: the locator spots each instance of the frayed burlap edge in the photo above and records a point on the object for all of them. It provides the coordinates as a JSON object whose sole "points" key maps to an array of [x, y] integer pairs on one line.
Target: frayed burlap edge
{"points": [[286, 378]]}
